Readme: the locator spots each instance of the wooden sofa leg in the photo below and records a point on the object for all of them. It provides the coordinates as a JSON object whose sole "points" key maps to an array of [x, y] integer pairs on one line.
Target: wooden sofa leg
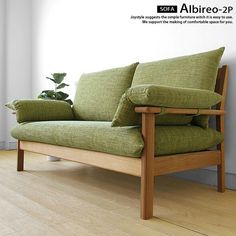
{"points": [[147, 173], [221, 179], [221, 170], [20, 158], [147, 186], [220, 147]]}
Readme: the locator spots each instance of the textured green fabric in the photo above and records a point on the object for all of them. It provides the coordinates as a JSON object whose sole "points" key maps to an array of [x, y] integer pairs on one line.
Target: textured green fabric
{"points": [[98, 93], [125, 115], [164, 96], [194, 71], [40, 110], [181, 139], [202, 121], [90, 135], [125, 141]]}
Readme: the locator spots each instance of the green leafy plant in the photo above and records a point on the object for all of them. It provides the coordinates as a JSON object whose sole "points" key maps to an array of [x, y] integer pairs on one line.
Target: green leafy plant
{"points": [[57, 79]]}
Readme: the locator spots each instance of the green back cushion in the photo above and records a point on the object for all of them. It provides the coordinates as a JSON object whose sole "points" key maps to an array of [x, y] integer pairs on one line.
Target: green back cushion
{"points": [[197, 71], [98, 94]]}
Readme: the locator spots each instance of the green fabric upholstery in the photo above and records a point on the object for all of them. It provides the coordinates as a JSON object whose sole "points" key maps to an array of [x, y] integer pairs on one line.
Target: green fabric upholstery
{"points": [[125, 141], [98, 93], [181, 139], [202, 121], [196, 71], [162, 96], [41, 110], [126, 116]]}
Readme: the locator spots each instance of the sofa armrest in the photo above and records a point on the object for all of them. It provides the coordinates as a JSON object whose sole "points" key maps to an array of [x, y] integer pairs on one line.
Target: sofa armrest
{"points": [[186, 111], [41, 110], [174, 97]]}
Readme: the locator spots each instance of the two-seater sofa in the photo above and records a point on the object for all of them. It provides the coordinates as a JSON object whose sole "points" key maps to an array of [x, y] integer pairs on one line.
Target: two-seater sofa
{"points": [[144, 119]]}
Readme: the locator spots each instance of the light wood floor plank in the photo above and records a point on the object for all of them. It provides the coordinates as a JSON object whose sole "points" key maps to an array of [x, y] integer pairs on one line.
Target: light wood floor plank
{"points": [[66, 198], [5, 229]]}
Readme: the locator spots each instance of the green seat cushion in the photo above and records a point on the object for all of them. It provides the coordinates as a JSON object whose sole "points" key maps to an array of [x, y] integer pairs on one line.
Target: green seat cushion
{"points": [[182, 139], [41, 110], [125, 141], [162, 96], [196, 71], [98, 93]]}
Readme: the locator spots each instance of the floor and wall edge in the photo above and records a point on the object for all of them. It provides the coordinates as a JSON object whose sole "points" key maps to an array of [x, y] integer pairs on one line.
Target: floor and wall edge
{"points": [[200, 175], [208, 177]]}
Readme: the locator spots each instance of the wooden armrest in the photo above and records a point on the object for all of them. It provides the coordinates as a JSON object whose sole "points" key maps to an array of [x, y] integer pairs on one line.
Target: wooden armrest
{"points": [[187, 111]]}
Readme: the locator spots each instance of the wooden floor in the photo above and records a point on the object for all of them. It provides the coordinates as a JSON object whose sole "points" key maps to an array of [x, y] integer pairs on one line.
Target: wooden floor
{"points": [[66, 198]]}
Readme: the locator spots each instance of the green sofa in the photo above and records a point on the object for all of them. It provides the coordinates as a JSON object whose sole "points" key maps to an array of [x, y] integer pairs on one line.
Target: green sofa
{"points": [[105, 127]]}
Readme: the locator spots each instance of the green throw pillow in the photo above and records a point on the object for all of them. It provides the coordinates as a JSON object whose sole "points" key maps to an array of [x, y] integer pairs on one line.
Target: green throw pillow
{"points": [[98, 94]]}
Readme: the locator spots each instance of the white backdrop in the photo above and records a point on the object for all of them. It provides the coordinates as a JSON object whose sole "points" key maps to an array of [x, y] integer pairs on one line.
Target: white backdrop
{"points": [[85, 36], [2, 72], [46, 36], [15, 61]]}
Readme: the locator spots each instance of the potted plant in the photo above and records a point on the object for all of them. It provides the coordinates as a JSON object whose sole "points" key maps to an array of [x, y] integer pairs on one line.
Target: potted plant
{"points": [[56, 94]]}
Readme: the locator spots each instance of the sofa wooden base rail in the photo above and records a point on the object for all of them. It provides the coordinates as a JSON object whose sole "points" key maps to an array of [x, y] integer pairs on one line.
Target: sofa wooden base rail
{"points": [[134, 166], [148, 166]]}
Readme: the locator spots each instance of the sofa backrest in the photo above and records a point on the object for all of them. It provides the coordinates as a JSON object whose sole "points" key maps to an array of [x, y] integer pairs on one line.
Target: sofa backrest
{"points": [[98, 94], [197, 71]]}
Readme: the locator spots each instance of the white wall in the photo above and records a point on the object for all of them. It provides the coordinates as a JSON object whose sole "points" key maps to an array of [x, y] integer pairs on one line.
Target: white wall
{"points": [[84, 36], [2, 71], [73, 36], [16, 64]]}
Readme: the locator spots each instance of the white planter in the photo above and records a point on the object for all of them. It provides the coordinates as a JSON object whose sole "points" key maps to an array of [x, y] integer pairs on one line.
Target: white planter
{"points": [[51, 158]]}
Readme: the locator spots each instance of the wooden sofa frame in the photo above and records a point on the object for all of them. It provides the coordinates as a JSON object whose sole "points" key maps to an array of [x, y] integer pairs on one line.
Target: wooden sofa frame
{"points": [[148, 166]]}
